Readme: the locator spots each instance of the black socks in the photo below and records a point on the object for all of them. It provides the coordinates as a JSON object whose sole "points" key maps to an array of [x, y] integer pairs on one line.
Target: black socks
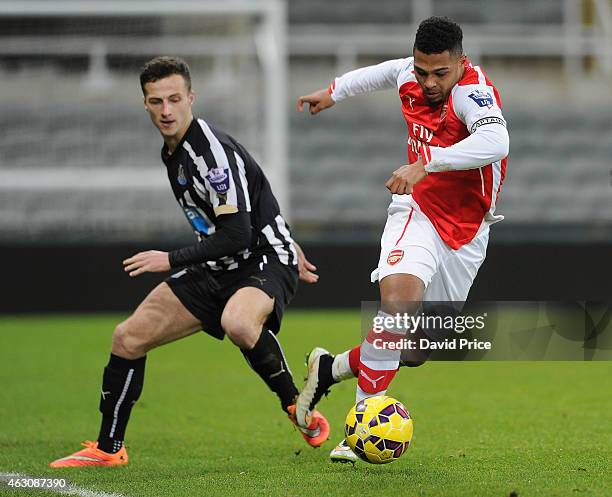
{"points": [[123, 379], [268, 361], [121, 387]]}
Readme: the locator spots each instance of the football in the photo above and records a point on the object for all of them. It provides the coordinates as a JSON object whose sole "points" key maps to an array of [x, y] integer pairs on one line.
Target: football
{"points": [[378, 429]]}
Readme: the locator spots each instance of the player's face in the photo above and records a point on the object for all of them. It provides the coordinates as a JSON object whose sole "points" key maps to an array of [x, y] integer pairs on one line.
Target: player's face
{"points": [[168, 102], [437, 74]]}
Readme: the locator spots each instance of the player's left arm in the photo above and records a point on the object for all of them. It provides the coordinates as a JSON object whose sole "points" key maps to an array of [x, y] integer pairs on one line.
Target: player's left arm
{"points": [[405, 177], [488, 142]]}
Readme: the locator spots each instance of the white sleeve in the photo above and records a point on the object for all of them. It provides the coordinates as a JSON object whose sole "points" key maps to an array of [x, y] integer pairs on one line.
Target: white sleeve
{"points": [[382, 76], [476, 107]]}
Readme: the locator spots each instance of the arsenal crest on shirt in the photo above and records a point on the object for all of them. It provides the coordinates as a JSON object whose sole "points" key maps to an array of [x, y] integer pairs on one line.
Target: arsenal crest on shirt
{"points": [[395, 256]]}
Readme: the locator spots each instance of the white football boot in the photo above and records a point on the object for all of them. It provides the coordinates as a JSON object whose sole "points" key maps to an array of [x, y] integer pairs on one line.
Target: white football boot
{"points": [[318, 382], [343, 453]]}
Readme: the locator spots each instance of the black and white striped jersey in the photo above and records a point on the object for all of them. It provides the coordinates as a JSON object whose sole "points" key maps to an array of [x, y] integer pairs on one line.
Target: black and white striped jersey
{"points": [[211, 174]]}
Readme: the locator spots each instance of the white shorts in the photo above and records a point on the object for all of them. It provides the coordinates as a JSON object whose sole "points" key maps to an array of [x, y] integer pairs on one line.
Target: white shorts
{"points": [[411, 245]]}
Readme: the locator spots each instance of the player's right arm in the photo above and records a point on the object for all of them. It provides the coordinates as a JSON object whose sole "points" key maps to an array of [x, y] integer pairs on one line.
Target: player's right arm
{"points": [[306, 268], [232, 234], [381, 76], [225, 182]]}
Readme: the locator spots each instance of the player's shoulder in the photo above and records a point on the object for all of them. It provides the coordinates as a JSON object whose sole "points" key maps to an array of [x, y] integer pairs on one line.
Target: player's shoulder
{"points": [[473, 77], [475, 89], [212, 136], [405, 71], [233, 149], [209, 130], [406, 63]]}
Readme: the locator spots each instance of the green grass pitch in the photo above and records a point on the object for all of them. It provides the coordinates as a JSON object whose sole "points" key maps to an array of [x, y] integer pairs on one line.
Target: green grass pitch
{"points": [[207, 426]]}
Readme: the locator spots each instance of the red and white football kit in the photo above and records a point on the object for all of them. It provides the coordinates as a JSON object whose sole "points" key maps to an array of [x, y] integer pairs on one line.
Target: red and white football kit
{"points": [[440, 232]]}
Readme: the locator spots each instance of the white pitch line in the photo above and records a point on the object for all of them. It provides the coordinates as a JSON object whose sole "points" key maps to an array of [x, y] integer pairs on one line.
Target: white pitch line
{"points": [[69, 489]]}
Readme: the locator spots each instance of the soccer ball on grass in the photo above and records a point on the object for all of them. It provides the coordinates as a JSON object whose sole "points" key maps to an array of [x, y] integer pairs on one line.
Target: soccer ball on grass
{"points": [[378, 429]]}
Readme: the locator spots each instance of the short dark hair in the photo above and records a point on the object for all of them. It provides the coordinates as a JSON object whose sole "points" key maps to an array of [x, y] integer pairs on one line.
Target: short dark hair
{"points": [[162, 67], [437, 34]]}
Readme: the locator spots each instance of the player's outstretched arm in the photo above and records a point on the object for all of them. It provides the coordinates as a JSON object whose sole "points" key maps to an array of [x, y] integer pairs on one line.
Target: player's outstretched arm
{"points": [[307, 269], [317, 101], [367, 79]]}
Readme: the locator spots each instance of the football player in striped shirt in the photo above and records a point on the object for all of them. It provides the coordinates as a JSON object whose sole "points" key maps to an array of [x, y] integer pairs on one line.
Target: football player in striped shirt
{"points": [[443, 203], [235, 281]]}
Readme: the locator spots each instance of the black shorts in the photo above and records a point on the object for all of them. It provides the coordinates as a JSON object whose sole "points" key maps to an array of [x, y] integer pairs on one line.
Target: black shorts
{"points": [[205, 292]]}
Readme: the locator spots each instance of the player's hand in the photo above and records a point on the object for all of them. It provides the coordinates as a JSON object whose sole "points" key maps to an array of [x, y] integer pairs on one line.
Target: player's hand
{"points": [[317, 101], [404, 178], [306, 267], [151, 261]]}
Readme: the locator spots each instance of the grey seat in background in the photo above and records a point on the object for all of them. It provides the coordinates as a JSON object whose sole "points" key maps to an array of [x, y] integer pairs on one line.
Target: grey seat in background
{"points": [[400, 11], [559, 168]]}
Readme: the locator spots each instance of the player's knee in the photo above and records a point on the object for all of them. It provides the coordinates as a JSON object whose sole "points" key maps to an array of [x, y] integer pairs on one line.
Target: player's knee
{"points": [[401, 294], [398, 304], [126, 342], [241, 332]]}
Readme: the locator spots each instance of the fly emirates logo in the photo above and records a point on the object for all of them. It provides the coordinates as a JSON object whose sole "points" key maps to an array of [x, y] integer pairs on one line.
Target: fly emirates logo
{"points": [[419, 135]]}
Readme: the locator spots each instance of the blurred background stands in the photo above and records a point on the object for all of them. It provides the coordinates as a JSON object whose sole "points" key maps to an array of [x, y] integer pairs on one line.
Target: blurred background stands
{"points": [[79, 161]]}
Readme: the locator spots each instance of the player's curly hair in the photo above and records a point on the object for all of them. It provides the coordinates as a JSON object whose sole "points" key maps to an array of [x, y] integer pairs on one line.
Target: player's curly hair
{"points": [[162, 67], [437, 34]]}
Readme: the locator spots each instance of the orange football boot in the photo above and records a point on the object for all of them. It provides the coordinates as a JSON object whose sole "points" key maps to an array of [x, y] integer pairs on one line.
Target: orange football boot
{"points": [[317, 432], [91, 456]]}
